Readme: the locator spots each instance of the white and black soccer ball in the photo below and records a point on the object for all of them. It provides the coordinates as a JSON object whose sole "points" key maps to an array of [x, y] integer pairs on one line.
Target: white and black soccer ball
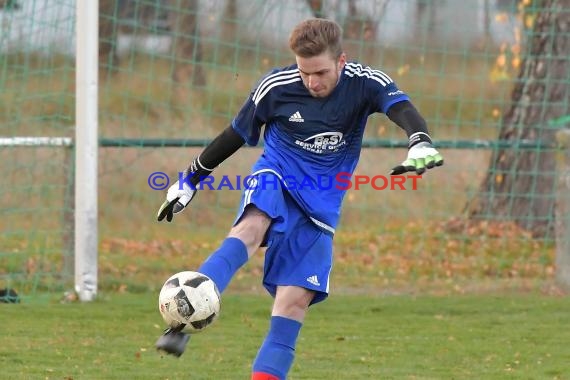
{"points": [[189, 301]]}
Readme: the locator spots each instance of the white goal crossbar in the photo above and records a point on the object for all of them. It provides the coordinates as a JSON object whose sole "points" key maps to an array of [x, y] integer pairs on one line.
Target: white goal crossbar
{"points": [[35, 141]]}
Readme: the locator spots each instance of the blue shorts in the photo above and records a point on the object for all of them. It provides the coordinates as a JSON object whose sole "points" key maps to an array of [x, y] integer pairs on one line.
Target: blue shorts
{"points": [[298, 252]]}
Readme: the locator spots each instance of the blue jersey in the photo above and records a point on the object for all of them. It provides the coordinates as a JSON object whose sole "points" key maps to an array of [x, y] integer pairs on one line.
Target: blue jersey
{"points": [[309, 140]]}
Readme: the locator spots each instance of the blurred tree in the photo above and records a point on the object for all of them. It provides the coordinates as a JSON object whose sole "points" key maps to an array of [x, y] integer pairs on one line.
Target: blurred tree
{"points": [[509, 6], [357, 27], [9, 5], [487, 20], [520, 183], [425, 16], [108, 58], [139, 18], [317, 8], [231, 22], [186, 44]]}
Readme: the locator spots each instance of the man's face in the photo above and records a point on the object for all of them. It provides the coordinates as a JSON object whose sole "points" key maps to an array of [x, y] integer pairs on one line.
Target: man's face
{"points": [[320, 73]]}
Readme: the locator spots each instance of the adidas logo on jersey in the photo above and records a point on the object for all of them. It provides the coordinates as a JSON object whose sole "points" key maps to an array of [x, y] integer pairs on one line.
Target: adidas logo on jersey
{"points": [[296, 117], [313, 280]]}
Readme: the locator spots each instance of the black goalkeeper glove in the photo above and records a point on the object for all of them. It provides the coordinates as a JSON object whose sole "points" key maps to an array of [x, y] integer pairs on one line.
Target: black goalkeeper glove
{"points": [[180, 195]]}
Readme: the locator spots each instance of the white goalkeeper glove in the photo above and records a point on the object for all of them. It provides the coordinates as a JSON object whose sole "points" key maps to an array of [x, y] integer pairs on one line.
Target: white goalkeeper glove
{"points": [[179, 195], [420, 156], [177, 198]]}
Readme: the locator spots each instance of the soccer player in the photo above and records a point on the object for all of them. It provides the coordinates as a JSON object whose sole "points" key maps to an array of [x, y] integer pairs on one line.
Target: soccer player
{"points": [[314, 113]]}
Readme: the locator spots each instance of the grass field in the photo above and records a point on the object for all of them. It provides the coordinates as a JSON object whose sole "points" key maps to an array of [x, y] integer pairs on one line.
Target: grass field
{"points": [[506, 336]]}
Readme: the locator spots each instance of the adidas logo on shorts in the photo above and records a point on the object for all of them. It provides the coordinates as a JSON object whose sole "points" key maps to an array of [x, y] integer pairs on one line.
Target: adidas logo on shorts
{"points": [[313, 280]]}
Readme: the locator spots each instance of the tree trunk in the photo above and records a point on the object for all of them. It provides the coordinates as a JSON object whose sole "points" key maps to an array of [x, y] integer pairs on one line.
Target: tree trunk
{"points": [[108, 58], [425, 17], [520, 183], [358, 27], [317, 8], [186, 45]]}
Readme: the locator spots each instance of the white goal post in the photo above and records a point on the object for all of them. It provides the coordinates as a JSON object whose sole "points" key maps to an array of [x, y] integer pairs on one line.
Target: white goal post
{"points": [[86, 146]]}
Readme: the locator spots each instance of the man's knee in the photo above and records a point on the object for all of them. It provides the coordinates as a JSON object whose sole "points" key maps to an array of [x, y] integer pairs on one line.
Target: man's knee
{"points": [[292, 302], [251, 228]]}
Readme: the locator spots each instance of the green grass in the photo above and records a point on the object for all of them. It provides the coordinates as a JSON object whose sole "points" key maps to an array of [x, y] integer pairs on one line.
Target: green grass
{"points": [[346, 337]]}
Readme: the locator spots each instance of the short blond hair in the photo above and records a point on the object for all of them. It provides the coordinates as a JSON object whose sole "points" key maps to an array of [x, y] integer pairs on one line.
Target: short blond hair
{"points": [[314, 36]]}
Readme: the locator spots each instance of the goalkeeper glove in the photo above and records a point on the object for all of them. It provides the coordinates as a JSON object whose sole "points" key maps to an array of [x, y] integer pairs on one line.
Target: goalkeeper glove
{"points": [[420, 156], [180, 194]]}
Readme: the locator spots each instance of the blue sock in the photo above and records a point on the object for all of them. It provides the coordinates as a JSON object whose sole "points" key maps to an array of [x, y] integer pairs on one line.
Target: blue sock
{"points": [[224, 263], [278, 350]]}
